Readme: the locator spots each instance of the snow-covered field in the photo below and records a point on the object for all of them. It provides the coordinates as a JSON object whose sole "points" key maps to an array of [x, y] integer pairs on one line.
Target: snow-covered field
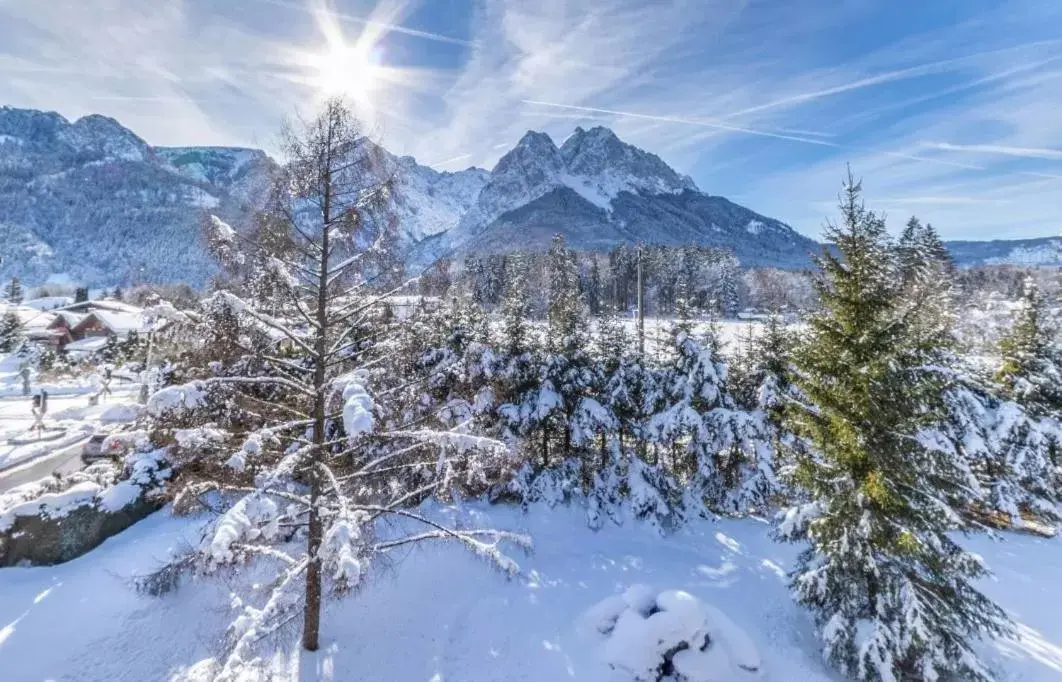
{"points": [[439, 614]]}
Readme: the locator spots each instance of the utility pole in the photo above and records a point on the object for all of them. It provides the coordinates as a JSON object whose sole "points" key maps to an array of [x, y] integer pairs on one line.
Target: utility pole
{"points": [[641, 306], [145, 376]]}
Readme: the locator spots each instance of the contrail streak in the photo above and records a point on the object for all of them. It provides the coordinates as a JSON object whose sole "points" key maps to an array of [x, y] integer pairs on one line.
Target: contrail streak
{"points": [[887, 77], [1021, 152], [393, 28], [689, 121], [750, 131]]}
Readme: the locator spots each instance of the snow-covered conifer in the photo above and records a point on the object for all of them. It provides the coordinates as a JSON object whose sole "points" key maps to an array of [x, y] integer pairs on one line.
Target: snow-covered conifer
{"points": [[10, 331], [13, 291], [891, 590], [1031, 368]]}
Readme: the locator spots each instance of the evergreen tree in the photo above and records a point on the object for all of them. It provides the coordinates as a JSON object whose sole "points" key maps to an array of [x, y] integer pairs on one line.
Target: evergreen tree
{"points": [[772, 352], [10, 331], [927, 286], [13, 292], [594, 288], [1031, 368], [567, 367], [890, 590], [81, 294]]}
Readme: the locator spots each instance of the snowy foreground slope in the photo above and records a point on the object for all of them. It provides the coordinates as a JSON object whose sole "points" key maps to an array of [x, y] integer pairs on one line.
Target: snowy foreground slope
{"points": [[442, 615]]}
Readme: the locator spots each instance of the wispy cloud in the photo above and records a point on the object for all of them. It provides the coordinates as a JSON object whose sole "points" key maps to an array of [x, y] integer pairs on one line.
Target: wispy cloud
{"points": [[1021, 152], [375, 21], [761, 102]]}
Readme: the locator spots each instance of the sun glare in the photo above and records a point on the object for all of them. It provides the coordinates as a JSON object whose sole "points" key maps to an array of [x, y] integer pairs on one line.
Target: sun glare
{"points": [[351, 60], [345, 70]]}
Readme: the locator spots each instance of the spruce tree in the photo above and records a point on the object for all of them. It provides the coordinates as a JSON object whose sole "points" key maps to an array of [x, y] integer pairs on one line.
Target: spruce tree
{"points": [[13, 292], [568, 368], [10, 331], [891, 591], [1031, 369], [772, 353], [518, 380]]}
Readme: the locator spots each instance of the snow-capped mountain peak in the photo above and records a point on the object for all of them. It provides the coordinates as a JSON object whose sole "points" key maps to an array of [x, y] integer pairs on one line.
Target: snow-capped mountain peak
{"points": [[593, 163], [598, 153]]}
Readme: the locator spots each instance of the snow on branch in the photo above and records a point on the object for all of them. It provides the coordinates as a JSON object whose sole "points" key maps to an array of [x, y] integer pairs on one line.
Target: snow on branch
{"points": [[357, 404], [461, 442], [177, 400], [469, 538]]}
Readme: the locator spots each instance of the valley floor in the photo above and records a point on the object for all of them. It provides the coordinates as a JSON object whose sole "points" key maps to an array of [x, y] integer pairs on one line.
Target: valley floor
{"points": [[439, 614]]}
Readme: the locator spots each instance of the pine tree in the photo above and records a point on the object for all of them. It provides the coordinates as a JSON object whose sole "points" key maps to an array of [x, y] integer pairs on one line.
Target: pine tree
{"points": [[772, 352], [890, 590], [13, 292], [594, 288], [927, 280], [81, 294]]}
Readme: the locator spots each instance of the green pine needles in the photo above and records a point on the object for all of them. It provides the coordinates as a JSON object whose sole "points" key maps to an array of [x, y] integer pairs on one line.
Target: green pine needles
{"points": [[891, 591]]}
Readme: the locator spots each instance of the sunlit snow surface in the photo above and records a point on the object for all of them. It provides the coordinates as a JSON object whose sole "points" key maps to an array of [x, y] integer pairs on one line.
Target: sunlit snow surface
{"points": [[438, 613]]}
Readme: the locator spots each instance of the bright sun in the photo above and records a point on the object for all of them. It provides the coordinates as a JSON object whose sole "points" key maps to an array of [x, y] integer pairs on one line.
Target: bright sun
{"points": [[346, 70], [353, 67]]}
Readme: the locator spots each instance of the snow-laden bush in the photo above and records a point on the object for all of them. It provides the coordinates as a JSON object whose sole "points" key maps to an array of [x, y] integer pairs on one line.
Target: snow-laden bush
{"points": [[671, 636]]}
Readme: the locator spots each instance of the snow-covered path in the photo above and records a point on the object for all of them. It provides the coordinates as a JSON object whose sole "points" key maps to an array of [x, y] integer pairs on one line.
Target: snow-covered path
{"points": [[70, 421], [441, 614]]}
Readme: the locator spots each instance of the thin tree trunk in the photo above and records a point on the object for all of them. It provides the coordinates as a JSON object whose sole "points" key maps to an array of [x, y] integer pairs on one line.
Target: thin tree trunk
{"points": [[311, 628]]}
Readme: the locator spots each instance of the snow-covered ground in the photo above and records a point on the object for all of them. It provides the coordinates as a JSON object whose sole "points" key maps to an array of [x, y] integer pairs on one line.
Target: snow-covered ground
{"points": [[439, 614]]}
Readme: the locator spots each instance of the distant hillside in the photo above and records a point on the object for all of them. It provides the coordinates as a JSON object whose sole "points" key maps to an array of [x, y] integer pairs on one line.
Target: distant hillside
{"points": [[91, 201], [1046, 251]]}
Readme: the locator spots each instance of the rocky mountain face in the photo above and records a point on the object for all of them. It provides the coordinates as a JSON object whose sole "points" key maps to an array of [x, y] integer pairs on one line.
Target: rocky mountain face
{"points": [[91, 202], [598, 192]]}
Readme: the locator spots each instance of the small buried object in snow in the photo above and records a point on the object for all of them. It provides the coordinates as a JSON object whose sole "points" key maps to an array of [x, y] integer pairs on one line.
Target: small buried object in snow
{"points": [[672, 635]]}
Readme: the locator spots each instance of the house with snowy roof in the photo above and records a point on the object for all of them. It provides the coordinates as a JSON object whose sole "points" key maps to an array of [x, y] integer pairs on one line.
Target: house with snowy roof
{"points": [[85, 307], [106, 323], [58, 332]]}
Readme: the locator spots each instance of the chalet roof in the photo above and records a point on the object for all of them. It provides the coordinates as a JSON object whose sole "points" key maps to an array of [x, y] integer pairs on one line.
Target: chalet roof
{"points": [[120, 322], [90, 306], [89, 345], [117, 323], [48, 302], [30, 318], [67, 318]]}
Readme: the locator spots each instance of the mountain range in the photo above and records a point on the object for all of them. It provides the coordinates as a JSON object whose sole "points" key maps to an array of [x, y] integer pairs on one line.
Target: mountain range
{"points": [[91, 202]]}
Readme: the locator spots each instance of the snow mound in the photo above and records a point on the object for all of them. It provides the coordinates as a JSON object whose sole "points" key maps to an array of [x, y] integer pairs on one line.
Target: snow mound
{"points": [[672, 636], [177, 400], [120, 413]]}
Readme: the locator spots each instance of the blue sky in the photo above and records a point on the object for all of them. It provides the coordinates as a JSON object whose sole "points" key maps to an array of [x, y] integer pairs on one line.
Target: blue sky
{"points": [[949, 109]]}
